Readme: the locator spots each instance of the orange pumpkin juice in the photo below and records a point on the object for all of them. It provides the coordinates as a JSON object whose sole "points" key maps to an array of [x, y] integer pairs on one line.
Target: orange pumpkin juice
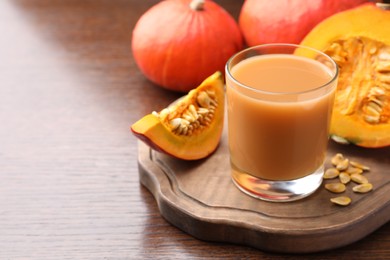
{"points": [[278, 116]]}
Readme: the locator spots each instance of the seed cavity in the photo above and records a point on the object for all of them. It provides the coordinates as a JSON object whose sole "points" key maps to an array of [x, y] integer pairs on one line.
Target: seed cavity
{"points": [[185, 119], [364, 80]]}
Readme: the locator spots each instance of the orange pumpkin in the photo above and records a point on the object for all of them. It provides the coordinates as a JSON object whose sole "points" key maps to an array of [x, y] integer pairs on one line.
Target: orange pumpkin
{"points": [[178, 43], [286, 21]]}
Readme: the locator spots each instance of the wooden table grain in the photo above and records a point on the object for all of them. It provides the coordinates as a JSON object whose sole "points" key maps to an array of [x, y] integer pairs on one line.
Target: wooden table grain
{"points": [[69, 185]]}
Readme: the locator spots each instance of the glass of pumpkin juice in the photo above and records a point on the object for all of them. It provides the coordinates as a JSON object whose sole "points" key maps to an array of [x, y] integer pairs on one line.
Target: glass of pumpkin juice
{"points": [[279, 101]]}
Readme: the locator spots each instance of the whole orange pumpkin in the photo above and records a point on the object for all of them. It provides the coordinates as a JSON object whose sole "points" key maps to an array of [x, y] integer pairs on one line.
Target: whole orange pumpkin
{"points": [[286, 21], [179, 43]]}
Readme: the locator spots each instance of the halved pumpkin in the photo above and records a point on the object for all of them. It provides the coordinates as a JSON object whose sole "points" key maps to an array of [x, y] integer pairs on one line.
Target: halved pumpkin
{"points": [[359, 41], [191, 128]]}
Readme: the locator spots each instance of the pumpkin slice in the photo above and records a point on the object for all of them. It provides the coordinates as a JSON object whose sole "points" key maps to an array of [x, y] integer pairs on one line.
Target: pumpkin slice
{"points": [[359, 41], [191, 128]]}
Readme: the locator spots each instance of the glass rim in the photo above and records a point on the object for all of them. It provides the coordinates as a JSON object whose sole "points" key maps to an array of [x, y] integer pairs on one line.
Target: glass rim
{"points": [[334, 77]]}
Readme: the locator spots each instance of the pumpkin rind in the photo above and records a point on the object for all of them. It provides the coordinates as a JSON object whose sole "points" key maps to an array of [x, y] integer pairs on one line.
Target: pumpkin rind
{"points": [[359, 41], [155, 129]]}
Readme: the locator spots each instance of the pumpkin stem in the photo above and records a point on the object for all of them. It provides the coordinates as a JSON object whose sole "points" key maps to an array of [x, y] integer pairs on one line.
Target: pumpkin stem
{"points": [[197, 5]]}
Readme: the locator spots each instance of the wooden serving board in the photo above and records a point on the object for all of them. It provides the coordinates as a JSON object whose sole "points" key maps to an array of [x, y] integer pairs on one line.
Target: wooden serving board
{"points": [[200, 198]]}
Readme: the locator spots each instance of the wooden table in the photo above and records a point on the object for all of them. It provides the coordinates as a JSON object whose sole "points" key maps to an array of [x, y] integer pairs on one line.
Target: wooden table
{"points": [[69, 185]]}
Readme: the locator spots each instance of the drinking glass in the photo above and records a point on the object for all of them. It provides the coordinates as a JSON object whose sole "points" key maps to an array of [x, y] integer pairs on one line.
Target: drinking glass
{"points": [[279, 101]]}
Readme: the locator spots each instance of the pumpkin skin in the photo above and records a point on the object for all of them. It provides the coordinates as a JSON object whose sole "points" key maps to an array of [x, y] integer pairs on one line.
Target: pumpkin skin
{"points": [[157, 130], [177, 46], [286, 21], [359, 41]]}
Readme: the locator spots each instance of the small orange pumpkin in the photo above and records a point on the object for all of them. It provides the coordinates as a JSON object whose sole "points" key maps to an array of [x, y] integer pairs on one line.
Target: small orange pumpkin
{"points": [[178, 43], [286, 21]]}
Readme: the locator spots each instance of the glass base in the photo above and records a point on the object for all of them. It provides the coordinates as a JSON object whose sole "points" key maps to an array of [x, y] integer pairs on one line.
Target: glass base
{"points": [[278, 191]]}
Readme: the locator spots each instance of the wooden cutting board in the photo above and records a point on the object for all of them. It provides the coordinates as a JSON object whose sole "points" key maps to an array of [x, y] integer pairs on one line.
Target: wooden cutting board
{"points": [[199, 198]]}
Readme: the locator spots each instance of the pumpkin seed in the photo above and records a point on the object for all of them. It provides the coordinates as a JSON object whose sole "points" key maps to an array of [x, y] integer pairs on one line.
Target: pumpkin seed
{"points": [[338, 59], [342, 200], [188, 117], [363, 188], [358, 178], [373, 109], [386, 86], [211, 93], [373, 50], [372, 119], [335, 187], [204, 100], [337, 159], [175, 123], [164, 114], [383, 77], [377, 100], [343, 165], [353, 170], [183, 129], [383, 66], [202, 111], [384, 56], [192, 110], [184, 122], [339, 139], [359, 165], [331, 173], [344, 178], [377, 91]]}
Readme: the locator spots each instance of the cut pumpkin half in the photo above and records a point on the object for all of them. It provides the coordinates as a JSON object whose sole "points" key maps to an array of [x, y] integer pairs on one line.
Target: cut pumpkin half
{"points": [[359, 42]]}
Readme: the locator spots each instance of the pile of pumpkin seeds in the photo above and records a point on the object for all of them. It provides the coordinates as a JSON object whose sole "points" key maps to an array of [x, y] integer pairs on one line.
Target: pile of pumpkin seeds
{"points": [[346, 171]]}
